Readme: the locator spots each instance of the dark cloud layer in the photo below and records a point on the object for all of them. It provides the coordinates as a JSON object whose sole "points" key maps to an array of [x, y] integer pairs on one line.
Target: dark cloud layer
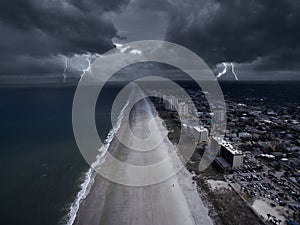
{"points": [[32, 30], [239, 31], [259, 35]]}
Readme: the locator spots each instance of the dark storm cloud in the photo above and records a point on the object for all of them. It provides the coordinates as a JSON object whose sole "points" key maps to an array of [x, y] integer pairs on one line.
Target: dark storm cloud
{"points": [[256, 34], [33, 30], [238, 31]]}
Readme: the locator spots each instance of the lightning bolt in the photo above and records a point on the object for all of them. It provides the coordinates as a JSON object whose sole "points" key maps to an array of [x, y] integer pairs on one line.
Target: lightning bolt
{"points": [[88, 68], [65, 69], [225, 64], [232, 69], [224, 70], [89, 65]]}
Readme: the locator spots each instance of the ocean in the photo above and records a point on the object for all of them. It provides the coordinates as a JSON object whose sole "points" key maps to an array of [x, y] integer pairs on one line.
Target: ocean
{"points": [[41, 168]]}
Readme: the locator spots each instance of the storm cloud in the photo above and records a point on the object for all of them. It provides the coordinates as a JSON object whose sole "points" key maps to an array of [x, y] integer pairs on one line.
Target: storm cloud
{"points": [[257, 35], [35, 31], [239, 31]]}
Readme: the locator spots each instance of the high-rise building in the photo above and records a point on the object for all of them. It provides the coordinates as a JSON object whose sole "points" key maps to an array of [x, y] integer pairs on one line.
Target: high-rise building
{"points": [[228, 157], [171, 102], [203, 133], [183, 109]]}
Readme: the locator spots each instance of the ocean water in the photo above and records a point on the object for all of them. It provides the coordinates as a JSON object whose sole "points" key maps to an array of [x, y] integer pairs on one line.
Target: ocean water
{"points": [[271, 92], [42, 173], [41, 168]]}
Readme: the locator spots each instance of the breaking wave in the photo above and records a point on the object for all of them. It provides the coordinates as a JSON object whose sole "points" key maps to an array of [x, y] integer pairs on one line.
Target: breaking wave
{"points": [[89, 177]]}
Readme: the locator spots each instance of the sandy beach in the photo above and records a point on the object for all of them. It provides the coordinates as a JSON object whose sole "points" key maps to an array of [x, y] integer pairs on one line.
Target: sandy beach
{"points": [[174, 201]]}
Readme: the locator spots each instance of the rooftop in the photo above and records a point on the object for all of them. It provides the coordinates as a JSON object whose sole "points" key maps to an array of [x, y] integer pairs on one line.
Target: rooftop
{"points": [[230, 148]]}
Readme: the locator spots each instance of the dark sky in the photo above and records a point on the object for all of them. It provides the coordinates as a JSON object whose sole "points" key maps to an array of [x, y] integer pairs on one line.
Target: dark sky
{"points": [[261, 37]]}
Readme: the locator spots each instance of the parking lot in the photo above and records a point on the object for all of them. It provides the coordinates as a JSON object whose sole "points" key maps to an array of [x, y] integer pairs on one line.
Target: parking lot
{"points": [[259, 182]]}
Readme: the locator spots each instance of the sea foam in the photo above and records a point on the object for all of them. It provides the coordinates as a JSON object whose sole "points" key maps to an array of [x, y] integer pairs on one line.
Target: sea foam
{"points": [[89, 177]]}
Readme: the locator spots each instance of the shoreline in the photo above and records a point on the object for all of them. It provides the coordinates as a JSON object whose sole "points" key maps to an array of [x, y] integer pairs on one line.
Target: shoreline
{"points": [[169, 203], [90, 175]]}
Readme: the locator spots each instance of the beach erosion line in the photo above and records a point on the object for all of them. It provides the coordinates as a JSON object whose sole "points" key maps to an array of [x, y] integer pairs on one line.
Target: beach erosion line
{"points": [[89, 176]]}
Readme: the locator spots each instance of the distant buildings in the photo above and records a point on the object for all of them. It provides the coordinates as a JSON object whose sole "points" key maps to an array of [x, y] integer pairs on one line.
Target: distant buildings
{"points": [[200, 132], [203, 137], [219, 116], [183, 109], [170, 102], [245, 135]]}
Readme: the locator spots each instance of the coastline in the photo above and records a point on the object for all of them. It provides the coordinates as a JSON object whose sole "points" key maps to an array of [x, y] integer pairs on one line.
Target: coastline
{"points": [[90, 175], [163, 203]]}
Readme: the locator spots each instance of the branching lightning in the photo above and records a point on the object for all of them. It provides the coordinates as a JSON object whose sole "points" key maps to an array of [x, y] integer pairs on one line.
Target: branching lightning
{"points": [[65, 69], [70, 63], [232, 69], [88, 68], [224, 71]]}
